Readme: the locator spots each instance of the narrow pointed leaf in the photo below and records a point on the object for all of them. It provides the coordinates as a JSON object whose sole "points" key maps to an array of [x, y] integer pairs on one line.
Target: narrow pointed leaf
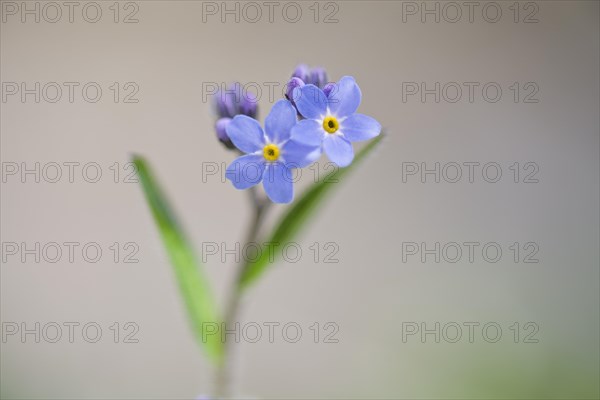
{"points": [[300, 212], [192, 282]]}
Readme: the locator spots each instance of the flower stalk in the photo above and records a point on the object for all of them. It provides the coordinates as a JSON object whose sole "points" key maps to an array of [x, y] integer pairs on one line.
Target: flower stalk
{"points": [[223, 379]]}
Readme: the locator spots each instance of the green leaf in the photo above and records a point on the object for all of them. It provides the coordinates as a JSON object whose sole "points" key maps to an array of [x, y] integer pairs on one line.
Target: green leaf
{"points": [[300, 212], [192, 282]]}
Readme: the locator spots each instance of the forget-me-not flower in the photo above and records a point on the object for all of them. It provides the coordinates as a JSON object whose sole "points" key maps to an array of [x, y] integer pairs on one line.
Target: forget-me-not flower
{"points": [[270, 154], [331, 120]]}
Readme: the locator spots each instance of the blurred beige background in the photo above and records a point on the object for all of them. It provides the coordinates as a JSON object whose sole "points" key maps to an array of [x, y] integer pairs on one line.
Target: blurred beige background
{"points": [[169, 54]]}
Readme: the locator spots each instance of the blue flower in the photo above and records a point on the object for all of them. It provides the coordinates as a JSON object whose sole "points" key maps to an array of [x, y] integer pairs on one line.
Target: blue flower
{"points": [[270, 154], [331, 121]]}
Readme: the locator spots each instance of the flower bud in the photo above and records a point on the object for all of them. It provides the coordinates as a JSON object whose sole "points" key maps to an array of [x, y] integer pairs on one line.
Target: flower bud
{"points": [[291, 85], [224, 104], [302, 72], [248, 105], [221, 129], [330, 87], [318, 77]]}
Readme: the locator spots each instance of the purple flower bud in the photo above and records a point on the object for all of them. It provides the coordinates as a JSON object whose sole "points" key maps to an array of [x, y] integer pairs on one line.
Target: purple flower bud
{"points": [[330, 87], [225, 104], [291, 85], [235, 94], [234, 101], [302, 72], [219, 103], [248, 105], [221, 129], [318, 77]]}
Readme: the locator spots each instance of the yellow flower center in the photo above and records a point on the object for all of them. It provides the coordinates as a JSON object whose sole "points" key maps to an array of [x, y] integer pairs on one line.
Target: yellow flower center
{"points": [[331, 124], [271, 152]]}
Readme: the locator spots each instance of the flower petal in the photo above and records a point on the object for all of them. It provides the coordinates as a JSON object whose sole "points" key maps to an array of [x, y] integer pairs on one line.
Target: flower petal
{"points": [[279, 122], [299, 155], [310, 101], [360, 127], [309, 132], [339, 150], [246, 134], [246, 171], [344, 97], [278, 183]]}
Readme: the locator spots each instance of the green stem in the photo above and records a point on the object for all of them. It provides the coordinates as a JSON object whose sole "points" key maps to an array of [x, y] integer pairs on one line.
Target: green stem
{"points": [[223, 376]]}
